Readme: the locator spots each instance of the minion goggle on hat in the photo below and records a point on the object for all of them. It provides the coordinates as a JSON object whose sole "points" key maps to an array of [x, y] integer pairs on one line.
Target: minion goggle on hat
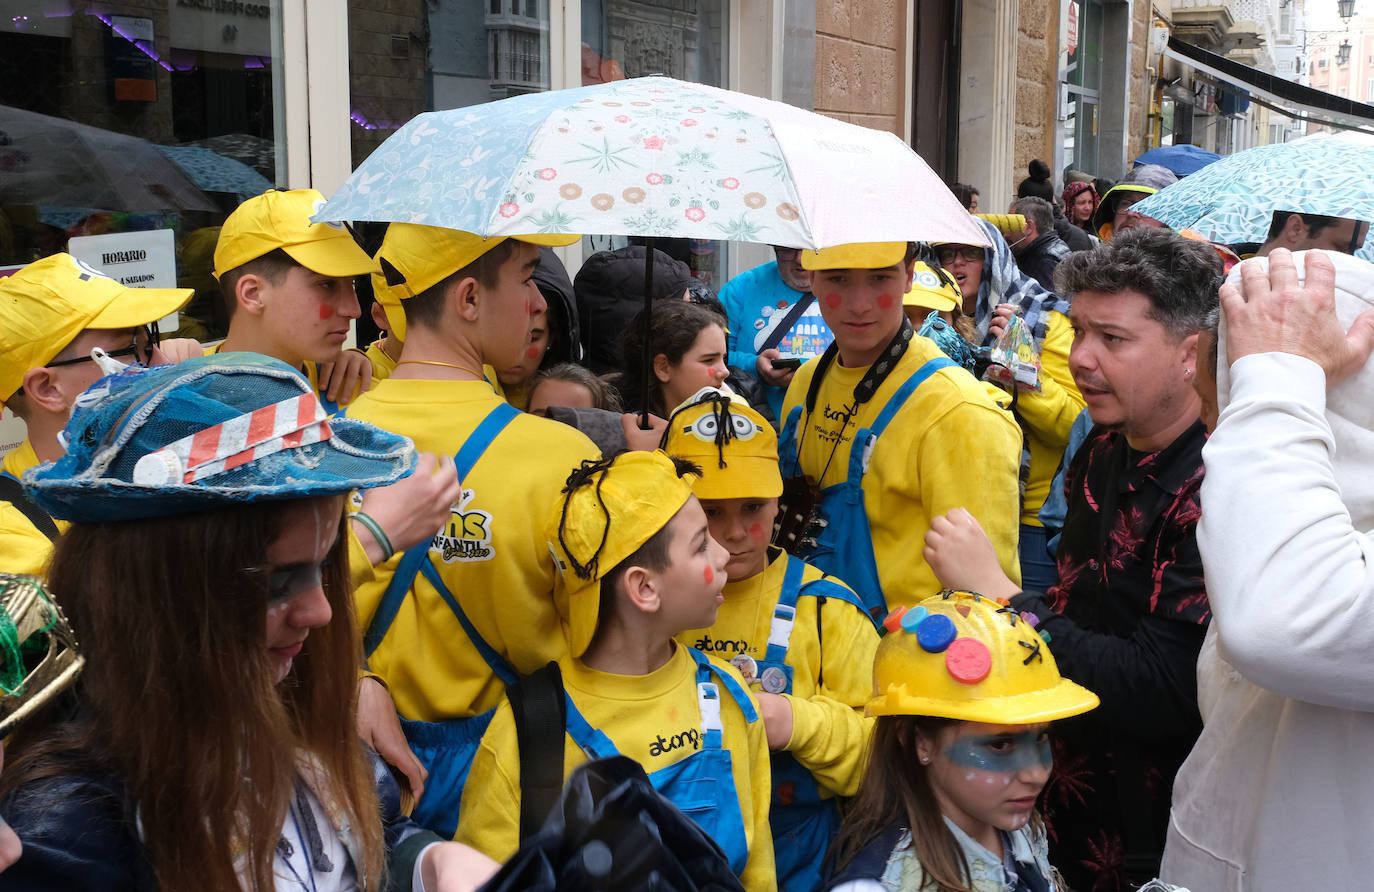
{"points": [[414, 257], [734, 446], [610, 507], [932, 288], [961, 656]]}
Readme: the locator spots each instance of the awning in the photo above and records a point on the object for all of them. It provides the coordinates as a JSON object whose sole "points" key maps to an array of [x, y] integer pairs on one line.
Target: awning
{"points": [[1286, 97]]}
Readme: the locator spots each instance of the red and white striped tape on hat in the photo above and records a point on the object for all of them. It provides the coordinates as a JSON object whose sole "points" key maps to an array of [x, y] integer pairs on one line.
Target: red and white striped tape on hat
{"points": [[230, 444]]}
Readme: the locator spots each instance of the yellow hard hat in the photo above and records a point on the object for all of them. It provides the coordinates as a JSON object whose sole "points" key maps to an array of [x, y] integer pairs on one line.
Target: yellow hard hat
{"points": [[734, 445], [961, 656]]}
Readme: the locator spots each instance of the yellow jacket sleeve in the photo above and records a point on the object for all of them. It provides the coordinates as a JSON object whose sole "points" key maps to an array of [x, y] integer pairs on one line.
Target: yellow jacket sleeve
{"points": [[1051, 413], [971, 458], [829, 730]]}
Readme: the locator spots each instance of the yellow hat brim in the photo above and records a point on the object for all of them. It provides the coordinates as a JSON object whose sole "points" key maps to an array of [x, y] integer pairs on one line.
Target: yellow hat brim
{"points": [[426, 255], [858, 255], [745, 477], [337, 257], [1059, 702], [933, 300]]}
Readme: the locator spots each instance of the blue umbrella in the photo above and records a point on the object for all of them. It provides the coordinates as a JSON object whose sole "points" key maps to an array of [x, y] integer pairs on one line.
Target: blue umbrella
{"points": [[1232, 200], [213, 172], [1183, 160]]}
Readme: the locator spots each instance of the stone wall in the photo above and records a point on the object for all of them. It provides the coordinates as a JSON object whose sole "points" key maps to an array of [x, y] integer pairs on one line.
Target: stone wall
{"points": [[1036, 87], [1137, 134], [860, 61], [387, 44]]}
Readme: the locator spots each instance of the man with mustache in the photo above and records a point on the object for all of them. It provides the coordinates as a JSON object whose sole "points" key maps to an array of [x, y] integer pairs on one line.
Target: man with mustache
{"points": [[1130, 611]]}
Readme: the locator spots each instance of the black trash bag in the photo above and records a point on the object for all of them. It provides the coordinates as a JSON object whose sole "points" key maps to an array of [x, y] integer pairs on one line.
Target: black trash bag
{"points": [[612, 830]]}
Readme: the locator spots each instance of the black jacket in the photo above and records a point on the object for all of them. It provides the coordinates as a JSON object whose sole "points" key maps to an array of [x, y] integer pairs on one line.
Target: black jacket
{"points": [[1073, 236]]}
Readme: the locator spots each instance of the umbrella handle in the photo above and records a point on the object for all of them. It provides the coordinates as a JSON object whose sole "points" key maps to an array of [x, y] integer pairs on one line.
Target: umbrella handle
{"points": [[648, 326]]}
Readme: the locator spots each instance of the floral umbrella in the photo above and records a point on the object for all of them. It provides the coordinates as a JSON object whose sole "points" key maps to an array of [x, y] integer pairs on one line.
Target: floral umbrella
{"points": [[653, 157]]}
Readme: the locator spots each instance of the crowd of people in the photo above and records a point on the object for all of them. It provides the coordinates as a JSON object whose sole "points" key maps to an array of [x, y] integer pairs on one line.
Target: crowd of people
{"points": [[1029, 565]]}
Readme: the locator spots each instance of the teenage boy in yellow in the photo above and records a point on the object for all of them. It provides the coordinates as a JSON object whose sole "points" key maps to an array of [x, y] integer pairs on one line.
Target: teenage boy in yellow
{"points": [[53, 312], [288, 287], [801, 640], [640, 567], [455, 619], [893, 433]]}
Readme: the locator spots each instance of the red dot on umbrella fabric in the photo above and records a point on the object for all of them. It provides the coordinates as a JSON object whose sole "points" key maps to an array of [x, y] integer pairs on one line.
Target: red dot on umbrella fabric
{"points": [[968, 660]]}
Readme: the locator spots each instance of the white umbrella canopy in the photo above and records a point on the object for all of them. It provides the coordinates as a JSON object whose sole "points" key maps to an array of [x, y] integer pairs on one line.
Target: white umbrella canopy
{"points": [[653, 157]]}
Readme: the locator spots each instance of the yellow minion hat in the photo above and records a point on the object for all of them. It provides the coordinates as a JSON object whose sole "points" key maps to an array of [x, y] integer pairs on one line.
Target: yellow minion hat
{"points": [[735, 447], [961, 656], [426, 255], [390, 298], [281, 219], [610, 508], [931, 288], [857, 255], [45, 305]]}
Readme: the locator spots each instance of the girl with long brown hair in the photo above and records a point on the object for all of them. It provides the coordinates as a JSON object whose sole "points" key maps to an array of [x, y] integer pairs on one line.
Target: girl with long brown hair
{"points": [[210, 743], [964, 693]]}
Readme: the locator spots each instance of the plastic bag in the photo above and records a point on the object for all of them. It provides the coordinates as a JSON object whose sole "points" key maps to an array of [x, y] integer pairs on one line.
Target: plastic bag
{"points": [[612, 830], [1015, 362]]}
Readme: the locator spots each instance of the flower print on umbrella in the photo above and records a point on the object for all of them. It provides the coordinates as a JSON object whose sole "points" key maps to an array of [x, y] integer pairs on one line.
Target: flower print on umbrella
{"points": [[604, 159], [634, 195], [695, 213], [548, 173], [740, 229], [554, 220], [729, 183], [788, 211], [570, 191], [755, 200], [509, 209], [652, 223], [603, 201], [653, 143], [658, 179], [695, 157]]}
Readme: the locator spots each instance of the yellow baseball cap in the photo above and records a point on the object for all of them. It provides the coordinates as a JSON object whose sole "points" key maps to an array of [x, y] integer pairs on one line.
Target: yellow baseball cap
{"points": [[931, 288], [426, 255], [281, 219], [735, 447], [610, 508], [389, 297], [857, 255], [45, 305]]}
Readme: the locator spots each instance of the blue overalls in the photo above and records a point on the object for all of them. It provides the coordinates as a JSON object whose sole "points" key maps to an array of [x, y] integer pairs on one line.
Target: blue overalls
{"points": [[844, 547], [445, 748], [702, 784], [803, 823]]}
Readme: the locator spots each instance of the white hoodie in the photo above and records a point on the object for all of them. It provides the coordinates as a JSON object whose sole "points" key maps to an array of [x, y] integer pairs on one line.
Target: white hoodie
{"points": [[1278, 793]]}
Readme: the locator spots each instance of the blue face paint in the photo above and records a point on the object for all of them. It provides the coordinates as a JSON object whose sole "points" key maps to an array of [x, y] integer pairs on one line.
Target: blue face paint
{"points": [[1001, 753]]}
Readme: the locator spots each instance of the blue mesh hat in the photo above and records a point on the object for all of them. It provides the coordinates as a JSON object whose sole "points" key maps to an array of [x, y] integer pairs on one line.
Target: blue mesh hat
{"points": [[220, 429]]}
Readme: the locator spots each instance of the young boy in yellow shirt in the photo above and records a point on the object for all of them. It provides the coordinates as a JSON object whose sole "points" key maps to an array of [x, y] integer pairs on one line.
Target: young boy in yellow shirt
{"points": [[801, 639], [640, 567]]}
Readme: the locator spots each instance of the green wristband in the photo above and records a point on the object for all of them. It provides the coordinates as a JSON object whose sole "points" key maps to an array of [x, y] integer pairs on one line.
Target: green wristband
{"points": [[376, 530]]}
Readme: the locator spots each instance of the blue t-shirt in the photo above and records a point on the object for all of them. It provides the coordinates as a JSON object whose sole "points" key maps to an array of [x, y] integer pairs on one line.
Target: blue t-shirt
{"points": [[756, 301]]}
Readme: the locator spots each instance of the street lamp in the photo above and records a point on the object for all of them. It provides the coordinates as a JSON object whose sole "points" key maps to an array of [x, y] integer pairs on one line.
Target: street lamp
{"points": [[1347, 10], [1343, 52]]}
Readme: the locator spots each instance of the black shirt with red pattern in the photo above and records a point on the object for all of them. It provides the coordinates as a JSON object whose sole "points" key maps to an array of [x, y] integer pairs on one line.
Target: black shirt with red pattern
{"points": [[1126, 621]]}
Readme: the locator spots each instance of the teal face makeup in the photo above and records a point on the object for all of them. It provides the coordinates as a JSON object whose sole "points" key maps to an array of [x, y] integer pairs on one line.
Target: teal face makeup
{"points": [[1001, 753]]}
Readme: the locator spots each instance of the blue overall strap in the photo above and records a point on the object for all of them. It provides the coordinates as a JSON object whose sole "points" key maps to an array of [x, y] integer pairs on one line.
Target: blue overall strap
{"points": [[593, 742], [503, 669], [785, 611], [829, 588], [705, 668], [409, 567], [789, 450], [864, 439]]}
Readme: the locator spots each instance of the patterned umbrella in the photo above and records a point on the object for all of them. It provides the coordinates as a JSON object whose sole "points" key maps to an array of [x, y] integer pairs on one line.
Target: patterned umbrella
{"points": [[1231, 200], [213, 172], [654, 157]]}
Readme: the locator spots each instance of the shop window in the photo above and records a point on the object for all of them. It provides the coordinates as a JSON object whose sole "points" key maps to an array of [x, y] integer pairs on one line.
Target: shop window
{"points": [[125, 120]]}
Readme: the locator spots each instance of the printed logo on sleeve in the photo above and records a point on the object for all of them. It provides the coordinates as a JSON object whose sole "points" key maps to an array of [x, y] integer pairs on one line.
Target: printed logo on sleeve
{"points": [[467, 535]]}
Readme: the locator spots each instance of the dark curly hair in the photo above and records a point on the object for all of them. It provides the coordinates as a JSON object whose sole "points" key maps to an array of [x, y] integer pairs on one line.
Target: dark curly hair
{"points": [[1179, 275]]}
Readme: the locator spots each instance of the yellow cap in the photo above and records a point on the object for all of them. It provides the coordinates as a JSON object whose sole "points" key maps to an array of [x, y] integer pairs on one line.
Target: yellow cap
{"points": [[961, 656], [858, 255], [45, 305], [426, 255], [735, 447], [389, 297], [610, 508], [931, 288], [281, 219]]}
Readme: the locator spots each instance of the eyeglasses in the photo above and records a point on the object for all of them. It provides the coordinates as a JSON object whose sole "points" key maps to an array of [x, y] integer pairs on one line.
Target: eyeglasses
{"points": [[141, 352], [947, 253]]}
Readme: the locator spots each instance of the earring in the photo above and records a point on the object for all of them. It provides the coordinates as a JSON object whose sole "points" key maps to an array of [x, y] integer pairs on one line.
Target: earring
{"points": [[1187, 373], [925, 760]]}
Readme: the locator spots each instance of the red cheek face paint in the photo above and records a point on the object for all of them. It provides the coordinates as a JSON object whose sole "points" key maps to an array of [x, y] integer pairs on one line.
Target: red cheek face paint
{"points": [[756, 532], [833, 300], [885, 301], [531, 352], [709, 575], [326, 311]]}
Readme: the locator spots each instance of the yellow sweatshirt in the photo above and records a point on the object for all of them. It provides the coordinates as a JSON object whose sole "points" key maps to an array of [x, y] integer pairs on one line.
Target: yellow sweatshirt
{"points": [[493, 555], [949, 446], [382, 364], [638, 713], [832, 668], [1049, 415], [23, 549]]}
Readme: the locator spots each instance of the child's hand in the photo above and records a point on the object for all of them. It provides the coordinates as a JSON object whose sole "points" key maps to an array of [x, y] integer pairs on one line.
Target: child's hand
{"points": [[350, 373], [777, 718], [177, 349], [637, 438], [963, 557]]}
